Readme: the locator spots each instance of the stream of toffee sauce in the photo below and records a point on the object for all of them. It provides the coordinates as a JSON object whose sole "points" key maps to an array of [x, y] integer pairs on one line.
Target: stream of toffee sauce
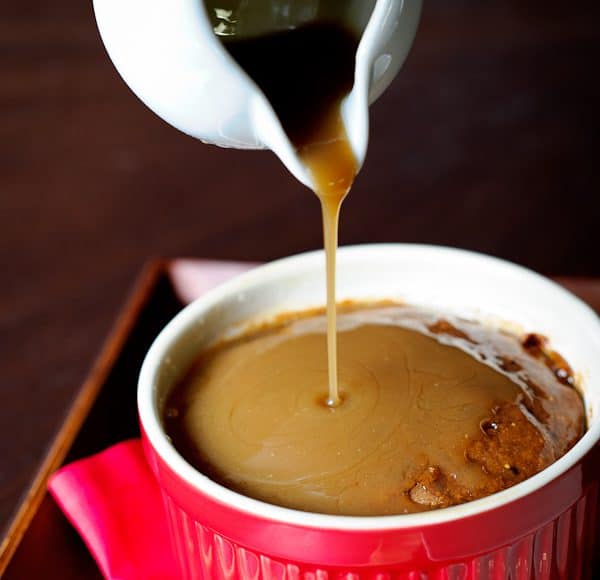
{"points": [[434, 412], [305, 73]]}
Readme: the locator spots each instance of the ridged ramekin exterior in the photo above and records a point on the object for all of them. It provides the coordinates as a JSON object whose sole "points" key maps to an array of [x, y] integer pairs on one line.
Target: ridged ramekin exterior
{"points": [[547, 535], [538, 530]]}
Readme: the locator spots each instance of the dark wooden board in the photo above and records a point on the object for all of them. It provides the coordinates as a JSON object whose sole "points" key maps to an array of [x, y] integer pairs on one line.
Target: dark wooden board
{"points": [[40, 542]]}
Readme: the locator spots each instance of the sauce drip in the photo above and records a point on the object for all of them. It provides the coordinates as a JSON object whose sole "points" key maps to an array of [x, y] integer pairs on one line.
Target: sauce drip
{"points": [[305, 73]]}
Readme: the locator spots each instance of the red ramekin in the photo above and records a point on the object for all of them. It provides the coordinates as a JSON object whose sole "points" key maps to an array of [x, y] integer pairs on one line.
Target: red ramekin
{"points": [[542, 528]]}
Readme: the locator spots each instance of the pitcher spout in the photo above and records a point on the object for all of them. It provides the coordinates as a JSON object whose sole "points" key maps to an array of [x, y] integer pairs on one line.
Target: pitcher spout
{"points": [[386, 35], [169, 55]]}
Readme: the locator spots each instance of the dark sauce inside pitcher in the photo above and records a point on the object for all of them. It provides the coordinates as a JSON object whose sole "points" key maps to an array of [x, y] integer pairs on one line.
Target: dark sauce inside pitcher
{"points": [[305, 73]]}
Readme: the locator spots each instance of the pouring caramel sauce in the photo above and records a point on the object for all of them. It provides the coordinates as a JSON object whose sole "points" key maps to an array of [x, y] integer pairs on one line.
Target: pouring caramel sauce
{"points": [[305, 73], [419, 412]]}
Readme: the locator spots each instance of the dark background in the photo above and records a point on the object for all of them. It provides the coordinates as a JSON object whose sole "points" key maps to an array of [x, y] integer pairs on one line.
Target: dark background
{"points": [[487, 140]]}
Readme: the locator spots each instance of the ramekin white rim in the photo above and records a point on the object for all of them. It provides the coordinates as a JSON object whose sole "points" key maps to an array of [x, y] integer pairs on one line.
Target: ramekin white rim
{"points": [[152, 424]]}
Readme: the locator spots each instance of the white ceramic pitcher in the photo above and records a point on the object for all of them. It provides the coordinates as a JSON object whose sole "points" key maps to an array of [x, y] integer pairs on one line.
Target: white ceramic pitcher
{"points": [[169, 55]]}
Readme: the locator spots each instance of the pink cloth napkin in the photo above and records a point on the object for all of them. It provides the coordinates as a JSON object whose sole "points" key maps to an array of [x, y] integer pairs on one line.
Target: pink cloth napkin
{"points": [[114, 502], [192, 278], [112, 498]]}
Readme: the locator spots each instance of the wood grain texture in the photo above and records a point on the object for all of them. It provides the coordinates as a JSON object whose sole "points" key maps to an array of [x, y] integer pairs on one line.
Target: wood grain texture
{"points": [[88, 396], [488, 140]]}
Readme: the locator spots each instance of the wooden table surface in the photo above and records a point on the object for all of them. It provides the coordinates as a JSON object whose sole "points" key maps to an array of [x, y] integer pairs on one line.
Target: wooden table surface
{"points": [[487, 140]]}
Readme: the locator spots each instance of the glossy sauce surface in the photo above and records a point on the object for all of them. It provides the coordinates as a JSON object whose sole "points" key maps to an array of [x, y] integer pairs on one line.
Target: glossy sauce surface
{"points": [[435, 412]]}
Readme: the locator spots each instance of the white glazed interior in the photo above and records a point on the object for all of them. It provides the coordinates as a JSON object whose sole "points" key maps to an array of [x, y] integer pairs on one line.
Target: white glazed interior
{"points": [[469, 284]]}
